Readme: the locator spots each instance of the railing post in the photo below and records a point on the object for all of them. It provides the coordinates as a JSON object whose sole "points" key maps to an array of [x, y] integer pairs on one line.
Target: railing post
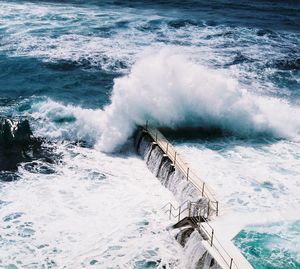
{"points": [[212, 238], [170, 211], [187, 173], [217, 210], [208, 208], [199, 212], [203, 188], [231, 260], [190, 208], [179, 213], [175, 158]]}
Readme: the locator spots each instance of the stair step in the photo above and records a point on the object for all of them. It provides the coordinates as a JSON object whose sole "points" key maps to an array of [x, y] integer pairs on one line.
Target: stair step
{"points": [[191, 221]]}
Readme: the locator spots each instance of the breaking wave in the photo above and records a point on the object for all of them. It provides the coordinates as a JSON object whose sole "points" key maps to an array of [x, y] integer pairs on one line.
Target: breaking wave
{"points": [[168, 89]]}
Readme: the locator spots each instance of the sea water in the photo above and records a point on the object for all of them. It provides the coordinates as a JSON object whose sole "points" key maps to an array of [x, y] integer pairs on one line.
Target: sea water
{"points": [[86, 73]]}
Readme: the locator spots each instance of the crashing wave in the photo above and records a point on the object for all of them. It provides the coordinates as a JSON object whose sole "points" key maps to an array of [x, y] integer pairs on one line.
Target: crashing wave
{"points": [[169, 90]]}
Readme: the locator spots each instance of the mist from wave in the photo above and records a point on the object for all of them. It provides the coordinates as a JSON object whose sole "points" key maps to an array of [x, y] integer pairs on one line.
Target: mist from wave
{"points": [[168, 89]]}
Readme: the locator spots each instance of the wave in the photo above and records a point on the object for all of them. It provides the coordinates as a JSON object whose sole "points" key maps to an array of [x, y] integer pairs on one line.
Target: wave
{"points": [[169, 90], [54, 120]]}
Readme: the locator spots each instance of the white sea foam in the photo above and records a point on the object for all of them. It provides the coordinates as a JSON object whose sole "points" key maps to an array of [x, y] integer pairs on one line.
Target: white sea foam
{"points": [[54, 120], [248, 176], [113, 39], [168, 89], [258, 187], [86, 213], [33, 31]]}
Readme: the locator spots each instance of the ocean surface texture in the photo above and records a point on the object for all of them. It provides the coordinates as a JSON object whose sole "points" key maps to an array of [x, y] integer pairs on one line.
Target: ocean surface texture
{"points": [[221, 77]]}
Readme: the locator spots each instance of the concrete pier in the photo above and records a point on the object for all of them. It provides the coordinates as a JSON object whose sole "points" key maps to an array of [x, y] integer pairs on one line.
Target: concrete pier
{"points": [[181, 165], [193, 215]]}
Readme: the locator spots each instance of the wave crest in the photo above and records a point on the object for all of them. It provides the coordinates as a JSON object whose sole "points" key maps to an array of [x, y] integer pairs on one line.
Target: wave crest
{"points": [[170, 90]]}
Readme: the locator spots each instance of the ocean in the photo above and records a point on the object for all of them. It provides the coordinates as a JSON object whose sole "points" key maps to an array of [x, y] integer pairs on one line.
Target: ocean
{"points": [[220, 78]]}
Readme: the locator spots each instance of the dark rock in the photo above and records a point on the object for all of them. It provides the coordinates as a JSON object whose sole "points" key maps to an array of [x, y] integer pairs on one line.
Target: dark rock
{"points": [[15, 132], [17, 145]]}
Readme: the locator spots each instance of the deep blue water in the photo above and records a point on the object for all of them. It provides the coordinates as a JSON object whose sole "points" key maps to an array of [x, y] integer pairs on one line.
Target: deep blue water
{"points": [[235, 29], [59, 61]]}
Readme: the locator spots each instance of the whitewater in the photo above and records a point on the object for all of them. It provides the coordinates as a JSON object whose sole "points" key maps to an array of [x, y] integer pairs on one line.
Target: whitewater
{"points": [[167, 89], [86, 75]]}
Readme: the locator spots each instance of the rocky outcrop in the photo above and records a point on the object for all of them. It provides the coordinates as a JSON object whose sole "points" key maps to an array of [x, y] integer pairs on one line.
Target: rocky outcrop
{"points": [[17, 144], [15, 132]]}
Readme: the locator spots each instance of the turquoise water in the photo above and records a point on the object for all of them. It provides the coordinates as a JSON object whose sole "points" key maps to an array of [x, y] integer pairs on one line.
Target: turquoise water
{"points": [[272, 245]]}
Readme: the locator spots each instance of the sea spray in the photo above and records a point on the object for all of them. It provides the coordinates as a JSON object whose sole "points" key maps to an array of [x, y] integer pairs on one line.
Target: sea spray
{"points": [[168, 89], [55, 120]]}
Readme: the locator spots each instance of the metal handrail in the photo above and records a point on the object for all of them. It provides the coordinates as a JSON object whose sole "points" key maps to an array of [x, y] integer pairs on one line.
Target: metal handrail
{"points": [[167, 147], [179, 209], [214, 242]]}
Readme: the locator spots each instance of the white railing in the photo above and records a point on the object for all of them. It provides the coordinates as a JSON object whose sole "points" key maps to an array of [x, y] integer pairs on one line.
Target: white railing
{"points": [[196, 211], [178, 162]]}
